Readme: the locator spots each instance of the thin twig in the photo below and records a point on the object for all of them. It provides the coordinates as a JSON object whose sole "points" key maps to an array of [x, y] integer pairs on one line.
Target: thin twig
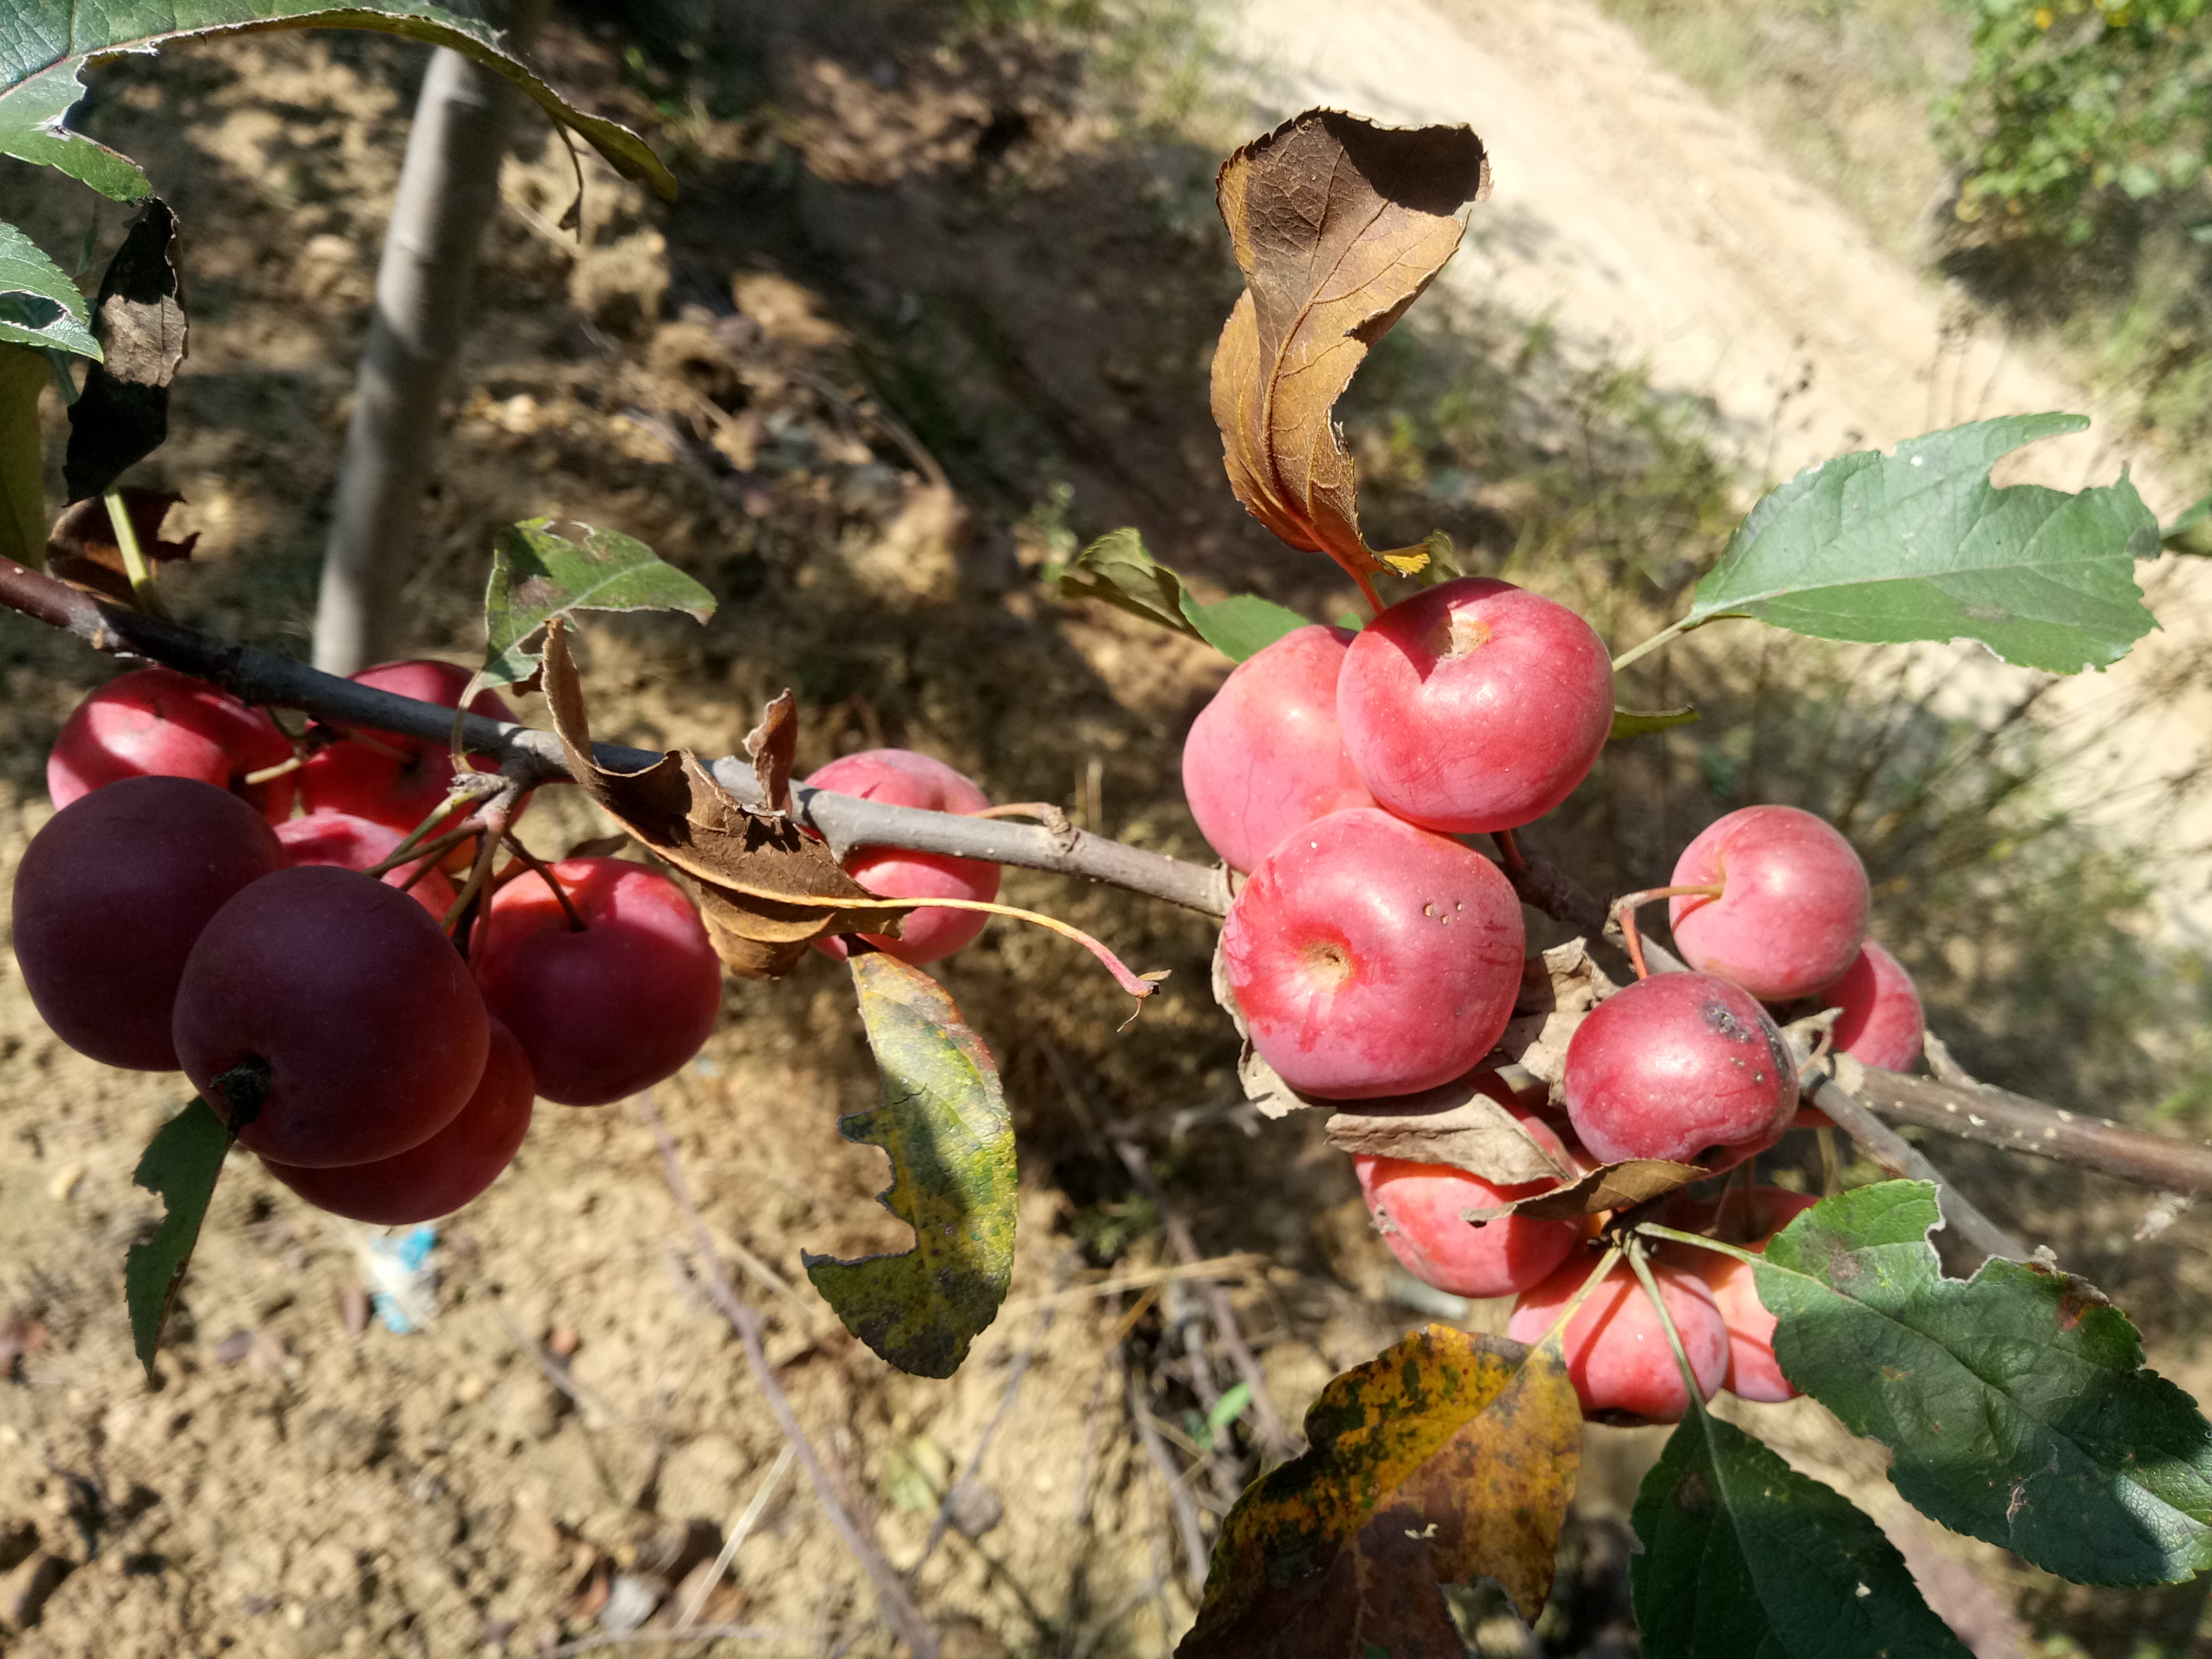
{"points": [[1185, 1506], [1016, 1372], [899, 1610], [545, 874], [761, 1494]]}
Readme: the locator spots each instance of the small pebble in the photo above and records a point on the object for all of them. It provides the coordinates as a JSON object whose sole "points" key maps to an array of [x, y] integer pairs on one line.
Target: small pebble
{"points": [[469, 1390], [64, 1182], [234, 1347], [563, 1340]]}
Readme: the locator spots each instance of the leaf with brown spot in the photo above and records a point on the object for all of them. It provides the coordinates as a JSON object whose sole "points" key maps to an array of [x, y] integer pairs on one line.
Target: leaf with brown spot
{"points": [[1447, 1457], [123, 413], [80, 547], [766, 889], [1464, 1124], [1338, 225]]}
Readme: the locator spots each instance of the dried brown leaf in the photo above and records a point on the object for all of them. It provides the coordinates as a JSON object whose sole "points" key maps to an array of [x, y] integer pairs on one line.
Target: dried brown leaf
{"points": [[1557, 991], [766, 889], [1338, 225], [1608, 1187], [774, 746], [81, 547], [1465, 1124]]}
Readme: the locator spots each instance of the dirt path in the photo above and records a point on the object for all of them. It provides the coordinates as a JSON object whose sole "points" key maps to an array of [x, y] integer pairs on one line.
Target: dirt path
{"points": [[1649, 227]]}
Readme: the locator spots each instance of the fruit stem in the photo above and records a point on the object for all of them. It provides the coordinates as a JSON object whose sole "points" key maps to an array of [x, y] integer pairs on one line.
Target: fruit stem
{"points": [[412, 840], [134, 556], [1367, 591], [1509, 852], [1623, 916], [270, 774], [429, 852], [243, 1089], [1673, 630], [494, 817], [1642, 1269], [1606, 1264], [1139, 986], [1653, 1230], [576, 922]]}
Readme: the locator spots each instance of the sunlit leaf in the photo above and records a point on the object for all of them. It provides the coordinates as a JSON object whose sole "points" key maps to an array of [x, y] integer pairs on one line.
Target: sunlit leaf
{"points": [[2016, 1402], [180, 1163], [44, 45], [39, 304], [1119, 569], [1920, 545], [944, 1121], [1447, 1458], [542, 568], [1634, 723]]}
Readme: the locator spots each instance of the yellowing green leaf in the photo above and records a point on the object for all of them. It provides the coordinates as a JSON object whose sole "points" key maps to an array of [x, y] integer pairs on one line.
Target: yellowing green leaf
{"points": [[945, 1123], [1449, 1457]]}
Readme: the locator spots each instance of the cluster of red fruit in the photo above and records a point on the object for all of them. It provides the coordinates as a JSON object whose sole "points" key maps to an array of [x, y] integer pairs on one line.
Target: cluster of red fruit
{"points": [[1373, 954], [174, 915]]}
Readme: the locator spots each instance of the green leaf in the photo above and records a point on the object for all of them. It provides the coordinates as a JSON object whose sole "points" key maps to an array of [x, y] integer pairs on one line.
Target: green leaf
{"points": [[1634, 723], [1744, 1556], [541, 569], [1920, 545], [46, 44], [1449, 1456], [22, 457], [181, 1163], [1117, 569], [945, 1123], [2016, 1402], [39, 304], [1230, 1407], [1242, 626]]}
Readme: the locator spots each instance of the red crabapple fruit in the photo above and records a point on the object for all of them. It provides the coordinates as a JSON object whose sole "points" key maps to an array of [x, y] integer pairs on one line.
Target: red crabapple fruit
{"points": [[607, 1012], [1371, 958], [110, 896], [1417, 1209], [1881, 1023], [1475, 705], [346, 842], [1752, 1373], [155, 722], [1265, 755], [445, 1171], [1618, 1355], [1675, 1066], [360, 1017], [396, 789], [900, 777], [1792, 908]]}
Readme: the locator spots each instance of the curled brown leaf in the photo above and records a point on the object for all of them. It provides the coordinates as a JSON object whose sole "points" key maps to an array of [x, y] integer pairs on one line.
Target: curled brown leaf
{"points": [[766, 889], [1338, 225]]}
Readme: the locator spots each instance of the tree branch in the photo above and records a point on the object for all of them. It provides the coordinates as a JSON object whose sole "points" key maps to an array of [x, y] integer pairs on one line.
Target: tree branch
{"points": [[534, 758]]}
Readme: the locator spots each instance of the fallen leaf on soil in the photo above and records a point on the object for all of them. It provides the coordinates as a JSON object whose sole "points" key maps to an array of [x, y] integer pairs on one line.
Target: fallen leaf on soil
{"points": [[766, 889], [1338, 225], [944, 1121], [1447, 1458], [123, 413], [1461, 1124]]}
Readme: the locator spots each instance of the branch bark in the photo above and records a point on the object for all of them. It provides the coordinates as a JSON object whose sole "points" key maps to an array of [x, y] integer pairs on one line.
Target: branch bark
{"points": [[534, 758], [448, 188]]}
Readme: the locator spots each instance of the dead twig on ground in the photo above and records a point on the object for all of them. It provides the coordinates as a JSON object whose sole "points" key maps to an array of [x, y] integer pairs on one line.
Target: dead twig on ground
{"points": [[898, 1607]]}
